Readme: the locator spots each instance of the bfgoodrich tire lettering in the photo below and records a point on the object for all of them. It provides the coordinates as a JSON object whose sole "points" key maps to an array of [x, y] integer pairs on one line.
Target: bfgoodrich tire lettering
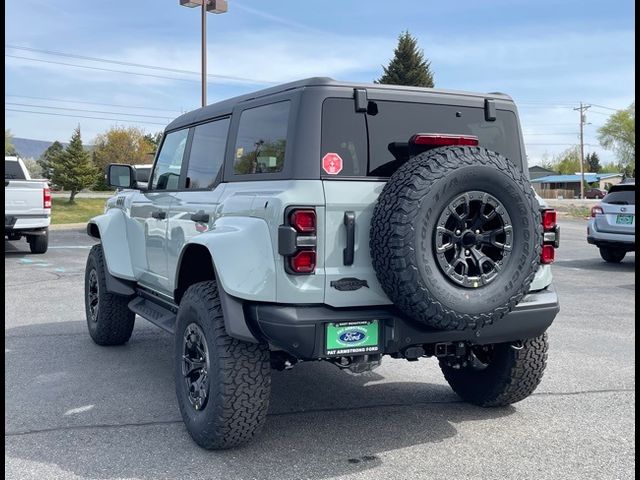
{"points": [[238, 375], [405, 222]]}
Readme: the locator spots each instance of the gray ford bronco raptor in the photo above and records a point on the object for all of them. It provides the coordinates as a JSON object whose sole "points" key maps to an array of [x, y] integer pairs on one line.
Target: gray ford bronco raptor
{"points": [[322, 220]]}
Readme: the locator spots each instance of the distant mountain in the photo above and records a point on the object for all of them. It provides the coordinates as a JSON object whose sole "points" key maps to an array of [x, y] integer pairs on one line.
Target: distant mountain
{"points": [[29, 148]]}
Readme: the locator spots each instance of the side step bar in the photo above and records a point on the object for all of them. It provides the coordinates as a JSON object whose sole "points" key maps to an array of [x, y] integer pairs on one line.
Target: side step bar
{"points": [[157, 314]]}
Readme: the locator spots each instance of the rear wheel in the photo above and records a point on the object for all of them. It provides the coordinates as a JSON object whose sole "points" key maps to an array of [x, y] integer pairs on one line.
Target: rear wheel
{"points": [[612, 255], [501, 374], [222, 384], [39, 243], [109, 319]]}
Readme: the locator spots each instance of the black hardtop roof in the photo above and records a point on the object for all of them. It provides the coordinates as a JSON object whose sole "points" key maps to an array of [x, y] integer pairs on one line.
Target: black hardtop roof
{"points": [[226, 106]]}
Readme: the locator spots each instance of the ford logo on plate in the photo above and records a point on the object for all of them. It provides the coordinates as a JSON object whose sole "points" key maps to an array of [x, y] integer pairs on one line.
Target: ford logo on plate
{"points": [[352, 336]]}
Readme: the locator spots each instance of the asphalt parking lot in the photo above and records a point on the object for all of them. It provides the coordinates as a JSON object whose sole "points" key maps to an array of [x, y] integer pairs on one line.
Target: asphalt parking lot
{"points": [[77, 410]]}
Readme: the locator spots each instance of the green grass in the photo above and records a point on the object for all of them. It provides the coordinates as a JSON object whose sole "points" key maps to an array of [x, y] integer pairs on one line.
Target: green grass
{"points": [[80, 211], [579, 212]]}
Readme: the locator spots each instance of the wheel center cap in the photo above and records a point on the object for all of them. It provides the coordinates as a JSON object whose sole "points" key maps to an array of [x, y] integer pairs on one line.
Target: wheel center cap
{"points": [[468, 239]]}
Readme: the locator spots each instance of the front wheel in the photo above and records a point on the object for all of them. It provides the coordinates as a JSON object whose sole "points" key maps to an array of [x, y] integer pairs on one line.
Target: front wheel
{"points": [[501, 374], [109, 319], [612, 255], [222, 384]]}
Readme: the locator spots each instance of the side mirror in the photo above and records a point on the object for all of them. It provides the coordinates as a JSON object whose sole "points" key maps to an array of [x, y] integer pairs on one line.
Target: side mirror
{"points": [[120, 176]]}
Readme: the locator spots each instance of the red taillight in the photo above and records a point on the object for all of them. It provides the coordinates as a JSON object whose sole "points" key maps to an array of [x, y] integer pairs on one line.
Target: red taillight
{"points": [[297, 240], [304, 221], [595, 210], [439, 140], [46, 197], [304, 261], [548, 254], [549, 219], [551, 236]]}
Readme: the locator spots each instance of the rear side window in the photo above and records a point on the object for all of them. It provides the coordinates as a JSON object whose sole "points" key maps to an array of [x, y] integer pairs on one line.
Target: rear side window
{"points": [[390, 124], [166, 174], [12, 171], [345, 132], [207, 154], [262, 139], [621, 196]]}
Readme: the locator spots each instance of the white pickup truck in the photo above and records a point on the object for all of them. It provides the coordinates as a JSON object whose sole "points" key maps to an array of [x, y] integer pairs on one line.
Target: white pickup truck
{"points": [[27, 206]]}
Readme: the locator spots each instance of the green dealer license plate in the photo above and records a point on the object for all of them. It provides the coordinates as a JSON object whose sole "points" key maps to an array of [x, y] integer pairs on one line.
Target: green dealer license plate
{"points": [[352, 338], [625, 219]]}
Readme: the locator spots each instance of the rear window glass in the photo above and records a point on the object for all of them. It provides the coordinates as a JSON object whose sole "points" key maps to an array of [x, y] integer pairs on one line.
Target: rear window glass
{"points": [[391, 123], [262, 139], [621, 196], [12, 171]]}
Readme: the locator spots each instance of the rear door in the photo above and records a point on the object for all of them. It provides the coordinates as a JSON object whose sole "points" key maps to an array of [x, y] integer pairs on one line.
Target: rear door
{"points": [[619, 210], [194, 207], [360, 150]]}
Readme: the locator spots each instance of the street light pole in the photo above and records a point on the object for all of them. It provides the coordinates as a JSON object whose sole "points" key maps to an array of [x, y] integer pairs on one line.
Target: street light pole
{"points": [[204, 52], [212, 6]]}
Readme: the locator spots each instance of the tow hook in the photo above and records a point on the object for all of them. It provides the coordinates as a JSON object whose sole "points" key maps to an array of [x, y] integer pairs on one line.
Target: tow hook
{"points": [[517, 345]]}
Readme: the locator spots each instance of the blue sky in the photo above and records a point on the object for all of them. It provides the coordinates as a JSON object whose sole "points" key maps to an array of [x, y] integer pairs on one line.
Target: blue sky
{"points": [[548, 55]]}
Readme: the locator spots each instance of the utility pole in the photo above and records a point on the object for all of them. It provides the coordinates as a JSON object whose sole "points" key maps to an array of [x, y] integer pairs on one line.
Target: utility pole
{"points": [[582, 109]]}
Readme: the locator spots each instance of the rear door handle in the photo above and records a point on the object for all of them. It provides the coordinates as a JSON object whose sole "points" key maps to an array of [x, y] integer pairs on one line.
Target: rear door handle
{"points": [[159, 214], [350, 224], [200, 217]]}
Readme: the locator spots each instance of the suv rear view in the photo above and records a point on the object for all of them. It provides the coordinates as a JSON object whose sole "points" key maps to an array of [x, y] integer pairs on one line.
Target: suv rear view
{"points": [[322, 220], [612, 226]]}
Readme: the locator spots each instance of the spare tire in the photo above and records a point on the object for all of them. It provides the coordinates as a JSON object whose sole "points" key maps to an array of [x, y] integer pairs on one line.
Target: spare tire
{"points": [[456, 237]]}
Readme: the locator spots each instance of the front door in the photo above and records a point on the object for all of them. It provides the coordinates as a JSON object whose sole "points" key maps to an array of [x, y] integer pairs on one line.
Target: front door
{"points": [[150, 211]]}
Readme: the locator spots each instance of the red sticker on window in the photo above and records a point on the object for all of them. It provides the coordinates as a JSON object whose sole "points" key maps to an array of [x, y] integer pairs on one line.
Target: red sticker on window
{"points": [[332, 163]]}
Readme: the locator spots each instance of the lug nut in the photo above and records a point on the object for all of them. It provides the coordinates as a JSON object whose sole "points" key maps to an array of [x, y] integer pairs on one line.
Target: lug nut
{"points": [[467, 252], [477, 231], [457, 232]]}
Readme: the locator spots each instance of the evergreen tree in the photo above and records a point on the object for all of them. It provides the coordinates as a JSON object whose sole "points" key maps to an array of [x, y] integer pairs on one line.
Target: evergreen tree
{"points": [[9, 149], [73, 169], [48, 158], [593, 162], [408, 66]]}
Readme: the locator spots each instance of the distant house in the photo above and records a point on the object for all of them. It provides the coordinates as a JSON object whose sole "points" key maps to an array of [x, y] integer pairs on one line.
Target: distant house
{"points": [[568, 186], [537, 171]]}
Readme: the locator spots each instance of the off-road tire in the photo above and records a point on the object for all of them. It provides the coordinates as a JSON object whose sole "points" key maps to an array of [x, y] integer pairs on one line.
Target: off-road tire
{"points": [[39, 243], [239, 375], [113, 322], [403, 234], [511, 376], [612, 255]]}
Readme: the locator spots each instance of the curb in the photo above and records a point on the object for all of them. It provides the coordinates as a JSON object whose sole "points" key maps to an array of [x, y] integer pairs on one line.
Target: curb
{"points": [[68, 226]]}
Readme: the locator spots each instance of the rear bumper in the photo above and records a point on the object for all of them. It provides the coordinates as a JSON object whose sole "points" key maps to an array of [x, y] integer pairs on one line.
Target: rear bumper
{"points": [[625, 241], [22, 222], [300, 330]]}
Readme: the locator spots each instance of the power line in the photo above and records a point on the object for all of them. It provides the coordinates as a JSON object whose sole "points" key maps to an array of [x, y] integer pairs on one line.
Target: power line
{"points": [[139, 65], [92, 103], [83, 116], [85, 111], [606, 108], [102, 69]]}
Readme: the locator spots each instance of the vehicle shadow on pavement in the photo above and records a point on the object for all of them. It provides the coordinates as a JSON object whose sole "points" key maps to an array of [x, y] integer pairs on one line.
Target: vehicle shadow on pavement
{"points": [[111, 412]]}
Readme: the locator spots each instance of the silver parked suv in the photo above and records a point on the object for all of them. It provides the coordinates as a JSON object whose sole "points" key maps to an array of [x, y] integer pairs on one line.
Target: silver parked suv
{"points": [[612, 226], [322, 220]]}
